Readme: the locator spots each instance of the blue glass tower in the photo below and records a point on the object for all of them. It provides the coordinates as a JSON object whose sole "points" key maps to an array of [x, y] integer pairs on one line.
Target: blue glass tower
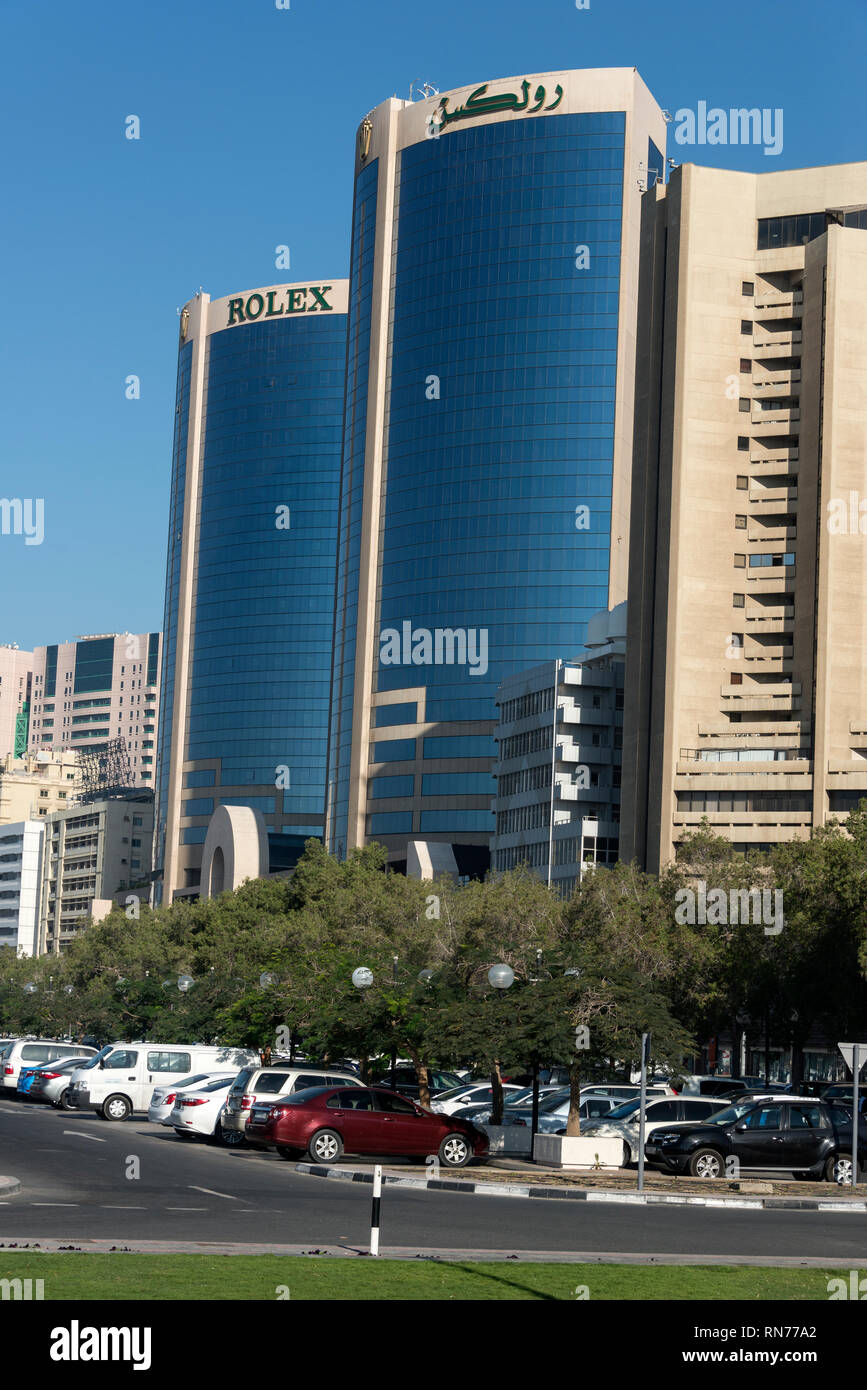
{"points": [[250, 572], [487, 448]]}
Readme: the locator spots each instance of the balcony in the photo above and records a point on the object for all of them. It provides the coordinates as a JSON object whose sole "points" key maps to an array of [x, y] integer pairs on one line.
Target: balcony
{"points": [[775, 299], [780, 497]]}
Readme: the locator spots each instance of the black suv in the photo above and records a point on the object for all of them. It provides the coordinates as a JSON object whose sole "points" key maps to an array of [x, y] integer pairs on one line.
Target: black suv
{"points": [[797, 1134]]}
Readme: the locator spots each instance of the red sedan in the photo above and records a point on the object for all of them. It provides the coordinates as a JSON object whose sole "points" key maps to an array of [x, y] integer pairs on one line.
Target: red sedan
{"points": [[326, 1122]]}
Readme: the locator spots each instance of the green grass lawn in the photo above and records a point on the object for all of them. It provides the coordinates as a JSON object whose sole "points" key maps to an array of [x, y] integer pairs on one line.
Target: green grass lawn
{"points": [[173, 1277]]}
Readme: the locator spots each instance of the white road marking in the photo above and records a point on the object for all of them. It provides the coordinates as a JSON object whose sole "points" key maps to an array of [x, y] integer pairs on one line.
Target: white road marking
{"points": [[211, 1193], [186, 1208], [54, 1204], [106, 1207], [81, 1135]]}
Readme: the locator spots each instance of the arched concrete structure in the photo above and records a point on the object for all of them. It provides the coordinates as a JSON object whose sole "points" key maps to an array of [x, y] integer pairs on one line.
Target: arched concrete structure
{"points": [[235, 848]]}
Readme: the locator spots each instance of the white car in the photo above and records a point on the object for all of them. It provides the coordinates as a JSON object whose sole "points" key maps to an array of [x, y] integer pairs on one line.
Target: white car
{"points": [[623, 1123], [163, 1098], [197, 1112], [51, 1080], [447, 1102]]}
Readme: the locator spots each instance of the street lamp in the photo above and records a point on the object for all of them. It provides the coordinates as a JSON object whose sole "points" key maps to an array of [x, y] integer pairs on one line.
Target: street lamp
{"points": [[425, 977], [267, 978], [501, 976], [362, 977], [185, 983]]}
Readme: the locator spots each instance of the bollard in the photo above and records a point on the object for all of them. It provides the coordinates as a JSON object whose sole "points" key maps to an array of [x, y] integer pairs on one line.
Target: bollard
{"points": [[374, 1215]]}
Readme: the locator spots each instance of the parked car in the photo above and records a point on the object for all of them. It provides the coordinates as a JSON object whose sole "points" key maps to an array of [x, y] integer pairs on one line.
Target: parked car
{"points": [[519, 1099], [406, 1081], [448, 1102], [624, 1122], [28, 1076], [122, 1077], [843, 1090], [30, 1052], [326, 1122], [267, 1084], [51, 1081], [777, 1132], [197, 1110], [163, 1098]]}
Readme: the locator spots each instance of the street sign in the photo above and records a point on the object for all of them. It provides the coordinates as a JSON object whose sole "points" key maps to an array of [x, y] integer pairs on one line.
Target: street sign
{"points": [[848, 1051]]}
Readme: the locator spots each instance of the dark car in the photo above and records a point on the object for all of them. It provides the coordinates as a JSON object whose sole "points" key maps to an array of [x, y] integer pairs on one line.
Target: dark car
{"points": [[774, 1132], [406, 1081], [842, 1090], [325, 1123]]}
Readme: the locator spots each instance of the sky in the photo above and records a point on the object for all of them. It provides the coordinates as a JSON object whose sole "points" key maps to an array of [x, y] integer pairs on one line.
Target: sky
{"points": [[248, 114]]}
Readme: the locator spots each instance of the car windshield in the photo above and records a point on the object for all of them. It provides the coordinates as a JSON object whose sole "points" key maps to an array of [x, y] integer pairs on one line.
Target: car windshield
{"points": [[95, 1061], [222, 1084], [730, 1113]]}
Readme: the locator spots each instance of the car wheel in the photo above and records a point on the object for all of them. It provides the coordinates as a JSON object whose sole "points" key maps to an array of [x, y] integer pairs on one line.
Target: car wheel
{"points": [[455, 1151], [116, 1108], [627, 1155], [62, 1101], [325, 1146], [231, 1138], [839, 1169], [706, 1163]]}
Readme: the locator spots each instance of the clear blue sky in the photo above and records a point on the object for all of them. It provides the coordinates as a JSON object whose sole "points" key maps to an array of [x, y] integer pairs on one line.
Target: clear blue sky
{"points": [[248, 117]]}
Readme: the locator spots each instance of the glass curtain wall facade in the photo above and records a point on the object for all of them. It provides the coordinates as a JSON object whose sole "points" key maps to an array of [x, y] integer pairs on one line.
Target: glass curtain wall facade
{"points": [[250, 577], [482, 493]]}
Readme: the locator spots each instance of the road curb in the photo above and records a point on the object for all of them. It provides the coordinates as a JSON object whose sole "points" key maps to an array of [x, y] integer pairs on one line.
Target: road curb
{"points": [[535, 1190], [9, 1187]]}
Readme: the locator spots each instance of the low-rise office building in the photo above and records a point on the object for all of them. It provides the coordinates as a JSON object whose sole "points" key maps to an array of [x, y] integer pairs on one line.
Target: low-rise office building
{"points": [[34, 785], [558, 766], [96, 853], [21, 847]]}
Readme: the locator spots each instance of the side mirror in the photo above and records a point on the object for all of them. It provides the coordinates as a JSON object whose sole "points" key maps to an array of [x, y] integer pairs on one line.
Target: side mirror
{"points": [[741, 1128]]}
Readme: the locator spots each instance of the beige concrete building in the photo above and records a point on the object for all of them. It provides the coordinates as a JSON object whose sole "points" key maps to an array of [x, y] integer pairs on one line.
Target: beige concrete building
{"points": [[96, 689], [37, 784], [746, 683], [16, 674], [95, 854]]}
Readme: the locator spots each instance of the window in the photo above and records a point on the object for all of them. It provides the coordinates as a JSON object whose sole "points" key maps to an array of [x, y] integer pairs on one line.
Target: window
{"points": [[740, 523], [741, 561], [765, 1117], [747, 287], [394, 1105], [662, 1110], [116, 1061], [744, 405], [746, 364], [303, 1083], [746, 325], [738, 601], [355, 1099], [806, 1117], [742, 482], [178, 1062]]}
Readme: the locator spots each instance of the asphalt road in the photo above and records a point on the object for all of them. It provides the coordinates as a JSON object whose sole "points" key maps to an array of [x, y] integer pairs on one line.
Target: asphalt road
{"points": [[73, 1170]]}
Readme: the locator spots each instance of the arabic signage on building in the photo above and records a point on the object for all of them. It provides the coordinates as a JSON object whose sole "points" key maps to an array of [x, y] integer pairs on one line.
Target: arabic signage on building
{"points": [[292, 301], [477, 104]]}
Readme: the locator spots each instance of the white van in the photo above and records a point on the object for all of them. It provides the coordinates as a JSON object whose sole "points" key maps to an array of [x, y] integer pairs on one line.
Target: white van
{"points": [[121, 1078], [32, 1052]]}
